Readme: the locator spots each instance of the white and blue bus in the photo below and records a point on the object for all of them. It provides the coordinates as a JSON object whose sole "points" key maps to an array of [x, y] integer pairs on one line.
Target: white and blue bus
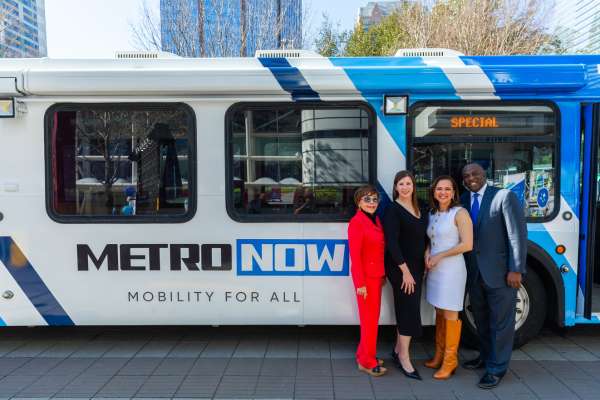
{"points": [[152, 189]]}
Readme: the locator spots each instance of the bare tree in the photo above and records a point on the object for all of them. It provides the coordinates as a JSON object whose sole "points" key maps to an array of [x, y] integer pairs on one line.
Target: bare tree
{"points": [[225, 35], [179, 26], [146, 33], [101, 136], [109, 138], [474, 27], [216, 28], [309, 32], [478, 27]]}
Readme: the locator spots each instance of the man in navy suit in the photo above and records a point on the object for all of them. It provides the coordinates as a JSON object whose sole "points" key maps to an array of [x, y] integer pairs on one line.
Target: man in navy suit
{"points": [[495, 269]]}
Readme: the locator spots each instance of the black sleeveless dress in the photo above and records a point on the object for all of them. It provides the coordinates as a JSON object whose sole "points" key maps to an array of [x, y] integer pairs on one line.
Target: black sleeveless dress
{"points": [[405, 241]]}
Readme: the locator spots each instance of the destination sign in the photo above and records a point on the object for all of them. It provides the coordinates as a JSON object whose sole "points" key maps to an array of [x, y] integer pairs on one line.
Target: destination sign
{"points": [[474, 122], [448, 121]]}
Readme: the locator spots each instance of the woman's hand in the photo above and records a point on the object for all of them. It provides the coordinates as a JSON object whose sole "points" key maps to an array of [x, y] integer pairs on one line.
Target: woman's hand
{"points": [[362, 291], [432, 261], [408, 283]]}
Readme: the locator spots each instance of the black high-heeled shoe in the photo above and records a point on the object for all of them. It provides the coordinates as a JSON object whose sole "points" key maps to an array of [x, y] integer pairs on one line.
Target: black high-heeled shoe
{"points": [[412, 375]]}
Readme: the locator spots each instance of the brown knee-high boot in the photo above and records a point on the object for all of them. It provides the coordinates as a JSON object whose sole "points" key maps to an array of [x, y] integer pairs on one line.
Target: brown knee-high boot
{"points": [[440, 340], [450, 362]]}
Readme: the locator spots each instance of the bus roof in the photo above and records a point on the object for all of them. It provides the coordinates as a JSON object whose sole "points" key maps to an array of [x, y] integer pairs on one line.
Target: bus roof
{"points": [[481, 75]]}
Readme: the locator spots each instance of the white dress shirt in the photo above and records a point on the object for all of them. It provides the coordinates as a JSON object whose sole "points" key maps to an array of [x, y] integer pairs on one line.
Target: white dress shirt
{"points": [[480, 192]]}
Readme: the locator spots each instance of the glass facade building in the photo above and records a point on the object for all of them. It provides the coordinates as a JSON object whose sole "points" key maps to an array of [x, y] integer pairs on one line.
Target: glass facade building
{"points": [[577, 24], [375, 11], [219, 28], [22, 28]]}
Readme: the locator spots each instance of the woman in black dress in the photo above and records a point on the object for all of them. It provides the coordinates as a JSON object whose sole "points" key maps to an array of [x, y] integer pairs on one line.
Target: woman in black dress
{"points": [[405, 229]]}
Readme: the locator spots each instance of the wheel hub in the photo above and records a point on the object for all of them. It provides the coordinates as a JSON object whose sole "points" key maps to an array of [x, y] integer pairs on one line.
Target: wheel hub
{"points": [[522, 308]]}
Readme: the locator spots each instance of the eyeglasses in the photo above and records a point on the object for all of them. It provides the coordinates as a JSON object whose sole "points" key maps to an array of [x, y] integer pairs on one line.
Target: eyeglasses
{"points": [[370, 199]]}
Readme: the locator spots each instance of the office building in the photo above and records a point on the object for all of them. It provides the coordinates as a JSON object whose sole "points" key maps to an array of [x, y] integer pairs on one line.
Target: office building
{"points": [[220, 28], [22, 28], [375, 11]]}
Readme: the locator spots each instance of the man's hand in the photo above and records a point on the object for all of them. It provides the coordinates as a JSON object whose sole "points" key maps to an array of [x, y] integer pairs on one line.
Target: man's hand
{"points": [[513, 279]]}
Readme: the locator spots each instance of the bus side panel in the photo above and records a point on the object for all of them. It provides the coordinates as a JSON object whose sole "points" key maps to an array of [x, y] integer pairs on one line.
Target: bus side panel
{"points": [[96, 295]]}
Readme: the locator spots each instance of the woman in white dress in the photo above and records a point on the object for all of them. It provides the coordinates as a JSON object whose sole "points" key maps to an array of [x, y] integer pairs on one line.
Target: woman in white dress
{"points": [[450, 232]]}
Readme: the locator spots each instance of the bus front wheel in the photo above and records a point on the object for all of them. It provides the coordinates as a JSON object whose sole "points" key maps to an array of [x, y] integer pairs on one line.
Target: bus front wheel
{"points": [[530, 312]]}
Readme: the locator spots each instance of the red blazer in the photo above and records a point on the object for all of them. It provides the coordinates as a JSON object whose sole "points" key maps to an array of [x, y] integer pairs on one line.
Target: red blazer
{"points": [[367, 248]]}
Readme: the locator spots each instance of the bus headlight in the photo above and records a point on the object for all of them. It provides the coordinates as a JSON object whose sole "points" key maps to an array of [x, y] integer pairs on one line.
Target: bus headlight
{"points": [[7, 108]]}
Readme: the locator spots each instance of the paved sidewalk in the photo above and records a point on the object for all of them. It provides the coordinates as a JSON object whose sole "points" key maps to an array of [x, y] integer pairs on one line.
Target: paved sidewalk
{"points": [[269, 363]]}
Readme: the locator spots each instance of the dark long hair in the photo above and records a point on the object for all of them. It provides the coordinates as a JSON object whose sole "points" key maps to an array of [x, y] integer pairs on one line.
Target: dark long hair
{"points": [[401, 175], [433, 203]]}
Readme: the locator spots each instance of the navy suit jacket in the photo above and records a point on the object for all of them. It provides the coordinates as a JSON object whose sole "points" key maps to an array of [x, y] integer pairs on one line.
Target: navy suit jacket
{"points": [[500, 237]]}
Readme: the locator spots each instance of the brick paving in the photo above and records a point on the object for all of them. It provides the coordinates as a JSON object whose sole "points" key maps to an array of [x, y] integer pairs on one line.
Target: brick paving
{"points": [[270, 363]]}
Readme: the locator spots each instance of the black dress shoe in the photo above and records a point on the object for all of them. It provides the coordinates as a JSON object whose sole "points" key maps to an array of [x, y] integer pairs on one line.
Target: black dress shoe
{"points": [[489, 381], [412, 375], [476, 363]]}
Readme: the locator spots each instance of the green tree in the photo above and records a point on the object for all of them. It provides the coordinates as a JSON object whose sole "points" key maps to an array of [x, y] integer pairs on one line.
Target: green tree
{"points": [[379, 40], [554, 45], [330, 41]]}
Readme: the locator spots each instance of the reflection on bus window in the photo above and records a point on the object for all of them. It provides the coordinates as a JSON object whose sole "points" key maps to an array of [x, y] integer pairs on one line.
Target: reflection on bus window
{"points": [[111, 160], [446, 138], [298, 161], [527, 169]]}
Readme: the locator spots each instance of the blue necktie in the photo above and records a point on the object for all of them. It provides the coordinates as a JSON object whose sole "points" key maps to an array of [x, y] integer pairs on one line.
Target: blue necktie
{"points": [[475, 208]]}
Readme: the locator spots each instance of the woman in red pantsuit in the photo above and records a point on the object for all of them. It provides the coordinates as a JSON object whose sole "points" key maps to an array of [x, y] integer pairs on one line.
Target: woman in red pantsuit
{"points": [[367, 246]]}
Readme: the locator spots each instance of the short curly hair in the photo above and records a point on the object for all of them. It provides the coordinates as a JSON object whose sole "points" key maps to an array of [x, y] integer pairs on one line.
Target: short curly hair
{"points": [[364, 191]]}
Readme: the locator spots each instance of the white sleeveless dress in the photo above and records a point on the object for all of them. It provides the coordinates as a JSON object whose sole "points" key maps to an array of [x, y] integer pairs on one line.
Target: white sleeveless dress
{"points": [[446, 281]]}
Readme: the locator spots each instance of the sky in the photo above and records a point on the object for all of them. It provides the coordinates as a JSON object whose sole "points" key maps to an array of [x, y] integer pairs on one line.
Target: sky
{"points": [[99, 28]]}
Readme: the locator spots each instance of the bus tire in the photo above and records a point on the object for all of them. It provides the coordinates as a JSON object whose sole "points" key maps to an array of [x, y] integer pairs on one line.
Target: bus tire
{"points": [[530, 313]]}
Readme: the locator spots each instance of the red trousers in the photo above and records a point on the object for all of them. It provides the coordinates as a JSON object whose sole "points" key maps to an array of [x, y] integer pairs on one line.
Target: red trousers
{"points": [[368, 311]]}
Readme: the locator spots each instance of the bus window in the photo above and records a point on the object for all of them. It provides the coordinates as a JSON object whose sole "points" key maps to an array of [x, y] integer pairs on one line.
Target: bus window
{"points": [[515, 144], [294, 162], [120, 162]]}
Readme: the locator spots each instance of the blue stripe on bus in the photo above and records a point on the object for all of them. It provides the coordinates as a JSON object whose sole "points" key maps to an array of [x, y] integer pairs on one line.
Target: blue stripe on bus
{"points": [[395, 124], [585, 200], [582, 320], [368, 78], [384, 199], [540, 236], [570, 154], [32, 285], [2, 323], [290, 78], [512, 77]]}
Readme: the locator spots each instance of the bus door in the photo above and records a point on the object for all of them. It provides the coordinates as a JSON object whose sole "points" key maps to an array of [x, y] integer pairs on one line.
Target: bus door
{"points": [[589, 274]]}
